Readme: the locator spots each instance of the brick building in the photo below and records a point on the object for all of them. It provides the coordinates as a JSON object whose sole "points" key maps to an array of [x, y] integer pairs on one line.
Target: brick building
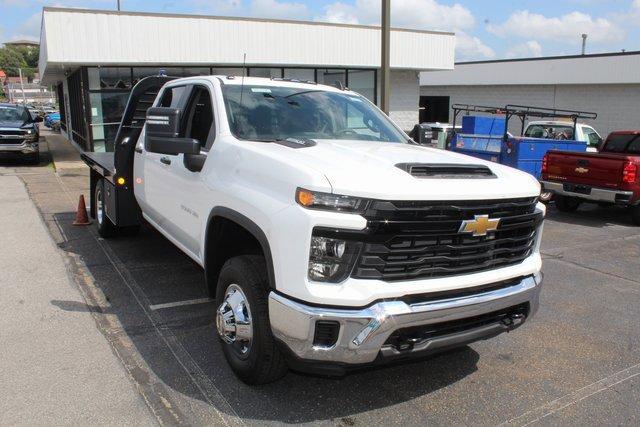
{"points": [[608, 84]]}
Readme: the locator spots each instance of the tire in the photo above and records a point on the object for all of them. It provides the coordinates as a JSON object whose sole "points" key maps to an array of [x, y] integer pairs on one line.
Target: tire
{"points": [[34, 158], [546, 196], [242, 294], [566, 203], [635, 214], [106, 228]]}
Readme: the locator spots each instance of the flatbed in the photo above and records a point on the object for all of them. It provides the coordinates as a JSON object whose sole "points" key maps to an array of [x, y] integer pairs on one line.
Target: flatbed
{"points": [[102, 163]]}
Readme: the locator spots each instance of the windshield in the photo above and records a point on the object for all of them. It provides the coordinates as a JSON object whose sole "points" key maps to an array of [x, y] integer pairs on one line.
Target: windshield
{"points": [[549, 131], [621, 143], [268, 113], [10, 113]]}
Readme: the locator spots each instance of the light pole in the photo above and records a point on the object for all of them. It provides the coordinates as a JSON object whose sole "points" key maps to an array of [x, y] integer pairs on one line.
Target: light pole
{"points": [[118, 5], [385, 67]]}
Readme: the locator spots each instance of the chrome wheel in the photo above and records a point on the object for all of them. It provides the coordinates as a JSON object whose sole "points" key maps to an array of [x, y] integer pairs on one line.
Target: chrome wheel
{"points": [[233, 321], [99, 206], [545, 196]]}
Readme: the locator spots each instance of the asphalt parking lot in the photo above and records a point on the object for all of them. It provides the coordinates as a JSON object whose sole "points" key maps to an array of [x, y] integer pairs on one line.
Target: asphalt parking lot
{"points": [[577, 362]]}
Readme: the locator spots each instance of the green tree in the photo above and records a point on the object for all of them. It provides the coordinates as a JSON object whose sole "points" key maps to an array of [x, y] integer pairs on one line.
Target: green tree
{"points": [[11, 59]]}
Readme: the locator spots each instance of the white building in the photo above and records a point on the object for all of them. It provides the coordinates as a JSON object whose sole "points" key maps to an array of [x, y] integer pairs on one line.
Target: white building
{"points": [[94, 58], [608, 84], [29, 93]]}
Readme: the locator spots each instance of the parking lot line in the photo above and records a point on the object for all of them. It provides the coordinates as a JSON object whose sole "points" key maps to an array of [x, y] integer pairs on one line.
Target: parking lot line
{"points": [[180, 303], [559, 404]]}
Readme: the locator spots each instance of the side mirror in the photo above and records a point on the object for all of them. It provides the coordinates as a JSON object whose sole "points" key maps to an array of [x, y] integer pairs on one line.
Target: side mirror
{"points": [[38, 119], [162, 130], [163, 122]]}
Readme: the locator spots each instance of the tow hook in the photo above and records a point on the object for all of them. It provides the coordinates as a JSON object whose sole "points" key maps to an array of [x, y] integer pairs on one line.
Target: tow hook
{"points": [[407, 344], [513, 320]]}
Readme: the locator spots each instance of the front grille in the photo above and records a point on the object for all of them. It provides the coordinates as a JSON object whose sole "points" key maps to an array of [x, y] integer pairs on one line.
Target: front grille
{"points": [[405, 338], [10, 136], [416, 240]]}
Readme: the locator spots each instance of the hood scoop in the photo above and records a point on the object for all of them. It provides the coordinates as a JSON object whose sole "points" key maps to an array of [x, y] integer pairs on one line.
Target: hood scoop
{"points": [[446, 171]]}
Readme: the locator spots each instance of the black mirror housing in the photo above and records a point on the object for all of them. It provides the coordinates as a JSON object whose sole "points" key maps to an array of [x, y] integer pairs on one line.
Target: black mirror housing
{"points": [[163, 122], [173, 146], [38, 119]]}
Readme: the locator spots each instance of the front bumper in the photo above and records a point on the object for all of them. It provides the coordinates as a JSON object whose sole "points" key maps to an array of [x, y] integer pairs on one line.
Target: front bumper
{"points": [[595, 194], [26, 147], [364, 333]]}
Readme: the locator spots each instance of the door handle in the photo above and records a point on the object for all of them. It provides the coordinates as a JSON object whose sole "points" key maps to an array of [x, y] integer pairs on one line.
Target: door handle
{"points": [[165, 160], [139, 150]]}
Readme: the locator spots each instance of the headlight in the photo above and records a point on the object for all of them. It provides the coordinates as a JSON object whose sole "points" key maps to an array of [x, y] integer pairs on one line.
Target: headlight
{"points": [[330, 202], [29, 131], [331, 260]]}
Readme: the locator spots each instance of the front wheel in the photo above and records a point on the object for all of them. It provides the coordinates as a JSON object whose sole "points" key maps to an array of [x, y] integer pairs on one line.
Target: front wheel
{"points": [[242, 321], [566, 203]]}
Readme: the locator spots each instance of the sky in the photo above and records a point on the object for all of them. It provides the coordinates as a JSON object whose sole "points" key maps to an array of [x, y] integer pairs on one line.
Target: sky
{"points": [[485, 29]]}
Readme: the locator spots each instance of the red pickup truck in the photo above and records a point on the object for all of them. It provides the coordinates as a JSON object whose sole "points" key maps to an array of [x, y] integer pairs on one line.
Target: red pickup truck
{"points": [[610, 176]]}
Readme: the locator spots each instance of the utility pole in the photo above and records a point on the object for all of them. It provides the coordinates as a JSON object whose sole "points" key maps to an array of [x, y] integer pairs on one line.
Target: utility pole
{"points": [[24, 98], [385, 67], [118, 5], [584, 43]]}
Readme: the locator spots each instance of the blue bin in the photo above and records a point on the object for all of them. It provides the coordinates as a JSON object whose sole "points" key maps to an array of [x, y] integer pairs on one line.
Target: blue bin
{"points": [[477, 125]]}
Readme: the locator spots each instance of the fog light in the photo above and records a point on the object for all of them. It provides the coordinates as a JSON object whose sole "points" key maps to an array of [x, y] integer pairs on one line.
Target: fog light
{"points": [[330, 260]]}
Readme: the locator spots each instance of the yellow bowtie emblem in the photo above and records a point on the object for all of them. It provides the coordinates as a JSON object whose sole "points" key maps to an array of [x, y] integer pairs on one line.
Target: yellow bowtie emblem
{"points": [[480, 225]]}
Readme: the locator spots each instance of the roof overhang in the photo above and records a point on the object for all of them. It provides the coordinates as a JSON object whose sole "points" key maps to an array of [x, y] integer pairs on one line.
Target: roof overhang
{"points": [[74, 37], [609, 68]]}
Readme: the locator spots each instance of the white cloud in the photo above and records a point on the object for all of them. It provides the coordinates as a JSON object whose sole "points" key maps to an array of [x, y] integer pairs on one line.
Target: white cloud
{"points": [[278, 9], [529, 49], [418, 14], [30, 28], [565, 29], [470, 48]]}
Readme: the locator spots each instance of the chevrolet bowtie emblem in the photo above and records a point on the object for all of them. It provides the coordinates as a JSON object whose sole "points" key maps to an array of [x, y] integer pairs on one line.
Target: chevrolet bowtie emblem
{"points": [[581, 170], [480, 225]]}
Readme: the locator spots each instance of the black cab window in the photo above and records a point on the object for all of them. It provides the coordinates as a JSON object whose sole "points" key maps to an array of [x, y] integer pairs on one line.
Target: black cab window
{"points": [[171, 96], [199, 116]]}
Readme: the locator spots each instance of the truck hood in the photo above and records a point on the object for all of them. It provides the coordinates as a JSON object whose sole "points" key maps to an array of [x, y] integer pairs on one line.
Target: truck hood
{"points": [[368, 169], [12, 124]]}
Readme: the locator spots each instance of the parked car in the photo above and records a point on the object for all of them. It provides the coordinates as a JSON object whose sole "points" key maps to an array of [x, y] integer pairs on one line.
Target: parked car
{"points": [[19, 133], [563, 130], [609, 177], [328, 243], [488, 137], [51, 119]]}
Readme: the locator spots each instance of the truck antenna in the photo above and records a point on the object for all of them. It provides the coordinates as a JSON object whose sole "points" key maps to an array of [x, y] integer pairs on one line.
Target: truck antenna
{"points": [[244, 71]]}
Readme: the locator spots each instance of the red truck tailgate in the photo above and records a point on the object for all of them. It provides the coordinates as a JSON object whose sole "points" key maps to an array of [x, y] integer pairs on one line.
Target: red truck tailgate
{"points": [[597, 169]]}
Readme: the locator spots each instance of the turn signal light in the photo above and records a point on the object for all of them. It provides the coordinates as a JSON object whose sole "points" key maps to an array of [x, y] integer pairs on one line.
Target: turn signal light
{"points": [[629, 173], [120, 181], [545, 160]]}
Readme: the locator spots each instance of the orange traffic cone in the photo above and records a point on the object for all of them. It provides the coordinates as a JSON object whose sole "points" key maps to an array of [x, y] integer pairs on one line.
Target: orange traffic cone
{"points": [[81, 214]]}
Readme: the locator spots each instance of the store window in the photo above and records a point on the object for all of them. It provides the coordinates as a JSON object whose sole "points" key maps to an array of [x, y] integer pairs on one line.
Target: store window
{"points": [[363, 82], [302, 74], [220, 71], [266, 72], [106, 112], [109, 78], [142, 72], [330, 77]]}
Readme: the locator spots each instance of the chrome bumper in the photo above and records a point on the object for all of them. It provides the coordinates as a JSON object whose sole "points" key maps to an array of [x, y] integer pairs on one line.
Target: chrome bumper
{"points": [[26, 147], [363, 332], [596, 195]]}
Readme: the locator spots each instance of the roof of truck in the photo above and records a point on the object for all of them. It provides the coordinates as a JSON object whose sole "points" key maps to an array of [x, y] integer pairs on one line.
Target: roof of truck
{"points": [[265, 81]]}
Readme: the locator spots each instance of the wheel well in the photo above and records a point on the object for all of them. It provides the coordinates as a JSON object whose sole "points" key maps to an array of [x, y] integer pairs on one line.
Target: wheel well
{"points": [[227, 239]]}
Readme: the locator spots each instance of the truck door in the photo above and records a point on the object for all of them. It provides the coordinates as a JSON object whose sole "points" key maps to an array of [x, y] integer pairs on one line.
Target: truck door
{"points": [[150, 169], [186, 177]]}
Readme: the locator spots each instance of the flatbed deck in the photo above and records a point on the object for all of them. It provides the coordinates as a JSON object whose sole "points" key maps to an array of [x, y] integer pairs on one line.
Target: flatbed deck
{"points": [[103, 163]]}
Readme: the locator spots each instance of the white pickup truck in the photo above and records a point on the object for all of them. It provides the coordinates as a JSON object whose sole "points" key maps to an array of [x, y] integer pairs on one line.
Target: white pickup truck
{"points": [[329, 240], [554, 129]]}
